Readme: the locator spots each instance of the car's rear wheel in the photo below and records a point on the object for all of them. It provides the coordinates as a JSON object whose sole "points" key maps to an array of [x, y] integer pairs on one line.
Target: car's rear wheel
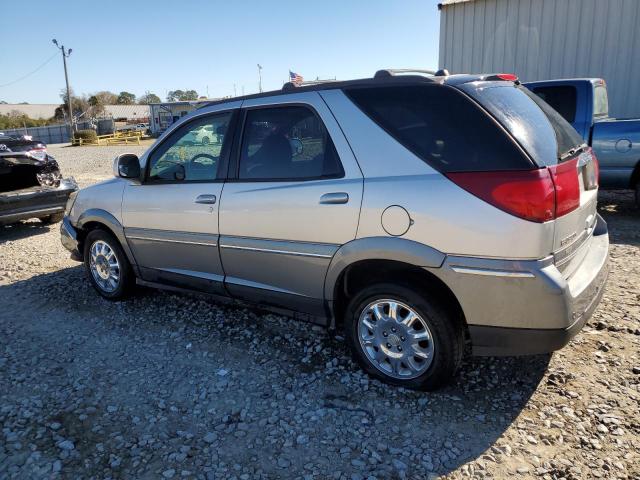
{"points": [[107, 266], [55, 218], [403, 337]]}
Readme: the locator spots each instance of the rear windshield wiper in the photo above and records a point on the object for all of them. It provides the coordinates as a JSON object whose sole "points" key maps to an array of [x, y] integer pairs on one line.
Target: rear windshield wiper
{"points": [[572, 152]]}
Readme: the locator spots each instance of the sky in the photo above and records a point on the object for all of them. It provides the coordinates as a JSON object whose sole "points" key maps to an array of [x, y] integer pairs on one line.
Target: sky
{"points": [[207, 46]]}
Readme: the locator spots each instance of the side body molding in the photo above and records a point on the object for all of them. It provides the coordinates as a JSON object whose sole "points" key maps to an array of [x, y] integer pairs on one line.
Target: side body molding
{"points": [[379, 248], [102, 216]]}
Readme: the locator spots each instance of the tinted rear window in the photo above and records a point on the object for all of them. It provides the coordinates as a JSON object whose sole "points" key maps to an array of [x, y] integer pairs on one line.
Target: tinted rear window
{"points": [[442, 126], [532, 122], [562, 98]]}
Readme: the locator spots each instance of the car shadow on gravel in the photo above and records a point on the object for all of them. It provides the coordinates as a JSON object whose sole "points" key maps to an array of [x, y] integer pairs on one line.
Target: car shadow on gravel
{"points": [[619, 210], [440, 431], [20, 230]]}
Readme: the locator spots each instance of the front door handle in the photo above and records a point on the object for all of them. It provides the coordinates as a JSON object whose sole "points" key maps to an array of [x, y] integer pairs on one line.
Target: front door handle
{"points": [[206, 199], [334, 198]]}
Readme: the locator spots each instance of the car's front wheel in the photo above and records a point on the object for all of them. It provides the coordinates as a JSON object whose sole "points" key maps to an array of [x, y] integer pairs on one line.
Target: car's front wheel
{"points": [[403, 337], [107, 266]]}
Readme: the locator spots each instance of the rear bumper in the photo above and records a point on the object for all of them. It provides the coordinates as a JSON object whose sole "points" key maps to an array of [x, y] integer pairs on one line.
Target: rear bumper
{"points": [[501, 341], [527, 307], [35, 202]]}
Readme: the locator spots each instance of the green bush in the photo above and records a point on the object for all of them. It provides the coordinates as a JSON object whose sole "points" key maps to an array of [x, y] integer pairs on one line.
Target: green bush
{"points": [[86, 135]]}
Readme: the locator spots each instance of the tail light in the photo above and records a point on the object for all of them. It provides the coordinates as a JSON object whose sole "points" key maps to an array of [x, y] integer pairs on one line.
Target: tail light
{"points": [[565, 181], [536, 195], [509, 77], [526, 194]]}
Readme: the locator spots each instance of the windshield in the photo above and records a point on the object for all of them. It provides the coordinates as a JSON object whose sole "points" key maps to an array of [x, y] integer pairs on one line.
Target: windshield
{"points": [[530, 120]]}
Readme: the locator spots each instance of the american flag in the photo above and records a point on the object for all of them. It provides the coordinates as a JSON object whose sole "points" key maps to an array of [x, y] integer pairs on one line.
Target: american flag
{"points": [[295, 78]]}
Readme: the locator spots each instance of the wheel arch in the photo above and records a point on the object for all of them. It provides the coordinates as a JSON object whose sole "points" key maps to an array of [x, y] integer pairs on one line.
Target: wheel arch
{"points": [[367, 261], [98, 218]]}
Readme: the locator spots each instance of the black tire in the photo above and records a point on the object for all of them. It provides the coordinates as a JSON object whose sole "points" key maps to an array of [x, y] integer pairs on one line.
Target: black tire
{"points": [[638, 194], [126, 276], [55, 218], [445, 328]]}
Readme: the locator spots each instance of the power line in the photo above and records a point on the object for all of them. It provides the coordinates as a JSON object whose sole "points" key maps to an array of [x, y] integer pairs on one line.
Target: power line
{"points": [[30, 73]]}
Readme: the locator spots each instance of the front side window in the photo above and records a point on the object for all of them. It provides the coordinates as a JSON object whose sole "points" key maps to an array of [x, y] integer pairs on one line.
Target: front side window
{"points": [[286, 143], [193, 152]]}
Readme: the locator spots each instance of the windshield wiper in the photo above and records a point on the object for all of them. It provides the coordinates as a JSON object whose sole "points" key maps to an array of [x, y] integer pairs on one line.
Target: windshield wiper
{"points": [[572, 151]]}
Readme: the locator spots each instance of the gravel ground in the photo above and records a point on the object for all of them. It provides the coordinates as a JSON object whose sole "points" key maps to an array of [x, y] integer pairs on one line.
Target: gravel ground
{"points": [[177, 386]]}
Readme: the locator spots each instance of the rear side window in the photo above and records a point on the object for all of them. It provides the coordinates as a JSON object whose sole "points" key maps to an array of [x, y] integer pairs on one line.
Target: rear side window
{"points": [[287, 144], [539, 129], [442, 126], [562, 98]]}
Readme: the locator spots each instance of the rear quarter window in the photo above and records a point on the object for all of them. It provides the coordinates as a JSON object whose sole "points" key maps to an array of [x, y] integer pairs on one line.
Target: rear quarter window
{"points": [[442, 126]]}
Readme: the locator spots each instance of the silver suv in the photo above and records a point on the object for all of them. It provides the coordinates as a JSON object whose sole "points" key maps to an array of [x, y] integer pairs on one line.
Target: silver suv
{"points": [[416, 213]]}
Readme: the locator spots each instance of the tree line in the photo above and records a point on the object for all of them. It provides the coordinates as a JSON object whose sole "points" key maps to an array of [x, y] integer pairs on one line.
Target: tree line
{"points": [[93, 105]]}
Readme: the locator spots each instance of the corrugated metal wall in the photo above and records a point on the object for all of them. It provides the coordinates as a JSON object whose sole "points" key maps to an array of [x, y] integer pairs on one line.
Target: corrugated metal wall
{"points": [[546, 39]]}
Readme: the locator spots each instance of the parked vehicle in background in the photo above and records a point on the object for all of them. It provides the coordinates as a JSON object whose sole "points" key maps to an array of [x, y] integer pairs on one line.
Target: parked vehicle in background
{"points": [[204, 136], [583, 102], [140, 127], [411, 212], [31, 185]]}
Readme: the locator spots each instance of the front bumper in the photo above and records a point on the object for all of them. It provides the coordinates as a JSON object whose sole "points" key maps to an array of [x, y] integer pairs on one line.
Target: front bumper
{"points": [[35, 202], [527, 307], [69, 239]]}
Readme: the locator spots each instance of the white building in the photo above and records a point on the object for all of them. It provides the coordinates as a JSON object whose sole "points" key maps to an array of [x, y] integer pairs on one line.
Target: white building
{"points": [[47, 110], [547, 39]]}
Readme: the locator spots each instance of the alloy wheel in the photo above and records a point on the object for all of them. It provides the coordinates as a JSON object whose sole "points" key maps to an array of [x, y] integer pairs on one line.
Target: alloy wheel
{"points": [[395, 339], [104, 266]]}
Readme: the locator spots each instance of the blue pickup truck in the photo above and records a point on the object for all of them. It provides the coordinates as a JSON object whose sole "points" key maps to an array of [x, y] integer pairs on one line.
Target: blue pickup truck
{"points": [[583, 102]]}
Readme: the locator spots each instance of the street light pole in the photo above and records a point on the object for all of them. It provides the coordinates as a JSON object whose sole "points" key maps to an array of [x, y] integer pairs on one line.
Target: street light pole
{"points": [[260, 78], [65, 54]]}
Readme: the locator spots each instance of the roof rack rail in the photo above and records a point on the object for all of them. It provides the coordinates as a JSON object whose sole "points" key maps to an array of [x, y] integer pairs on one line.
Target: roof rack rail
{"points": [[391, 72], [292, 86]]}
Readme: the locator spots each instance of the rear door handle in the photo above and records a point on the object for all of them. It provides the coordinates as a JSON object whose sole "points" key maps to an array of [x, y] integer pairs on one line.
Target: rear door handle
{"points": [[206, 199], [334, 198]]}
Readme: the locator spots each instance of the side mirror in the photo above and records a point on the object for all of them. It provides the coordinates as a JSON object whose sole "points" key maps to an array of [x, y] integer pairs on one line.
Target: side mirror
{"points": [[127, 166]]}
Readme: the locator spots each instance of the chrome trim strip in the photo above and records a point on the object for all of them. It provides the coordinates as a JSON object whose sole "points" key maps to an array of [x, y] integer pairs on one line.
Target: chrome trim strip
{"points": [[241, 282], [191, 273], [492, 273], [283, 252], [166, 240]]}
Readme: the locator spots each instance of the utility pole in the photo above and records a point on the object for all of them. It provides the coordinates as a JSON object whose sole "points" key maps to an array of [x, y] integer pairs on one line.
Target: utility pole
{"points": [[65, 54], [260, 78]]}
